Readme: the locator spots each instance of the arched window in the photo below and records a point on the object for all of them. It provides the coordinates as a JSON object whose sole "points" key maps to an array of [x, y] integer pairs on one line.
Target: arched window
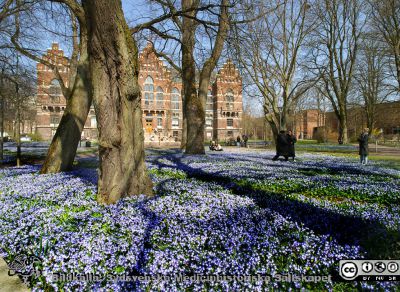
{"points": [[229, 99], [148, 92], [175, 98], [55, 91], [160, 97]]}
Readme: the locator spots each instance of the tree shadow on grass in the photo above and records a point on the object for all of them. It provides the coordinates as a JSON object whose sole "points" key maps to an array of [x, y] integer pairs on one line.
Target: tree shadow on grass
{"points": [[372, 235]]}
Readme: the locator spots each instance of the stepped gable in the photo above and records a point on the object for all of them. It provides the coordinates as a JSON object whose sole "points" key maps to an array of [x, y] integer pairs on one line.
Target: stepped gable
{"points": [[229, 73], [149, 62]]}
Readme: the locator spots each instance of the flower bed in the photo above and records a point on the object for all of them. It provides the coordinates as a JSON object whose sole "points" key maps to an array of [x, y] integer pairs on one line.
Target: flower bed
{"points": [[226, 214]]}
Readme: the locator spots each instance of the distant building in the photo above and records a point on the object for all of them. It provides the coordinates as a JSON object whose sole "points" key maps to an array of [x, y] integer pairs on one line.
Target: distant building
{"points": [[387, 119], [160, 98], [306, 121]]}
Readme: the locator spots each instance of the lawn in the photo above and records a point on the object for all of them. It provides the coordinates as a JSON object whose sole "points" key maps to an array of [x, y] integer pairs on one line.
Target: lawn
{"points": [[228, 213]]}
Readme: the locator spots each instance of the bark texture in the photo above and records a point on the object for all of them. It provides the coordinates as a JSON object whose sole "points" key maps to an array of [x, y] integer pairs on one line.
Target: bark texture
{"points": [[113, 58], [194, 112]]}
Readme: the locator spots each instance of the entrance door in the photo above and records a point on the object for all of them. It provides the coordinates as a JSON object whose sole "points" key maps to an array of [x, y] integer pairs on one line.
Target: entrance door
{"points": [[149, 125]]}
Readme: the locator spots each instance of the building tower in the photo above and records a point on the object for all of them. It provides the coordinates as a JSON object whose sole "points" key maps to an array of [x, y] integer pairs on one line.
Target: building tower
{"points": [[228, 103]]}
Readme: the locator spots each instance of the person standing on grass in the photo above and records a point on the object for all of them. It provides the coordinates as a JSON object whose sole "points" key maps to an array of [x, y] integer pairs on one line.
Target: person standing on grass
{"points": [[282, 146], [363, 146], [291, 140], [238, 141], [245, 139]]}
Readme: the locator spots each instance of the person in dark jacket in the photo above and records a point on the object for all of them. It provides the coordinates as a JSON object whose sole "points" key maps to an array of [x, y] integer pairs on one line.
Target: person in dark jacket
{"points": [[363, 146], [291, 140], [282, 146], [238, 141], [245, 139]]}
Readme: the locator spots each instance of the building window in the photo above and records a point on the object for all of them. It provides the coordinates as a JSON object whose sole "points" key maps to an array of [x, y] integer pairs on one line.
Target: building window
{"points": [[229, 122], [175, 97], [229, 99], [209, 119], [159, 121], [55, 88], [54, 120], [175, 134], [229, 133], [175, 122], [209, 104], [93, 122], [148, 92], [160, 97]]}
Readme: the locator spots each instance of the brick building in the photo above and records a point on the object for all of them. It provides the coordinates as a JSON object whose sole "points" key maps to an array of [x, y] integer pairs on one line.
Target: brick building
{"points": [[161, 100], [306, 121], [387, 119], [50, 102]]}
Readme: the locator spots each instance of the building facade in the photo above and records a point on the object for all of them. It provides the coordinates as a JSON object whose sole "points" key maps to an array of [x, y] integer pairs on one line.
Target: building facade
{"points": [[387, 121], [50, 102], [161, 100]]}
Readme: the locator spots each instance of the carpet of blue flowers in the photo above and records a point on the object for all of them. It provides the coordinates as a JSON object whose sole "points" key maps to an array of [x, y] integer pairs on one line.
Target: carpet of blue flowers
{"points": [[225, 213]]}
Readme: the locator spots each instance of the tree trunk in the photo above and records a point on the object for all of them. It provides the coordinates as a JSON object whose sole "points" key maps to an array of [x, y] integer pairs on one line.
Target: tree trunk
{"points": [[282, 121], [370, 118], [18, 123], [62, 150], [184, 121], [192, 106], [113, 57], [1, 119], [195, 116], [274, 127], [343, 137]]}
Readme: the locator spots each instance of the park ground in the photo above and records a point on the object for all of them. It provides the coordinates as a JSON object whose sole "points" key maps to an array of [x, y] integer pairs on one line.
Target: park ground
{"points": [[235, 212]]}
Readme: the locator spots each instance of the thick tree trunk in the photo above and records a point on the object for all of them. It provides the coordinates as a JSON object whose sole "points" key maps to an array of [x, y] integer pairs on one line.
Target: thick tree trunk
{"points": [[195, 125], [343, 137], [113, 57], [62, 150], [274, 127], [192, 106], [2, 120], [283, 122], [370, 114]]}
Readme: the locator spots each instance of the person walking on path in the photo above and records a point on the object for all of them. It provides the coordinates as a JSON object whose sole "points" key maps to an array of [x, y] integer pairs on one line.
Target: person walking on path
{"points": [[282, 146], [363, 146], [291, 140]]}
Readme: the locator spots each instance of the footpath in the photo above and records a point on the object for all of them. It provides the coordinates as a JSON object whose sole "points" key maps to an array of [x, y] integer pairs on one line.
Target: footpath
{"points": [[10, 283]]}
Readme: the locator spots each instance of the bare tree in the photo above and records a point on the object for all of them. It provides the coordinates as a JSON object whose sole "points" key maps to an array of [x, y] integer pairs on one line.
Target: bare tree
{"points": [[386, 22], [370, 77], [270, 52], [334, 50], [16, 88], [76, 90]]}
